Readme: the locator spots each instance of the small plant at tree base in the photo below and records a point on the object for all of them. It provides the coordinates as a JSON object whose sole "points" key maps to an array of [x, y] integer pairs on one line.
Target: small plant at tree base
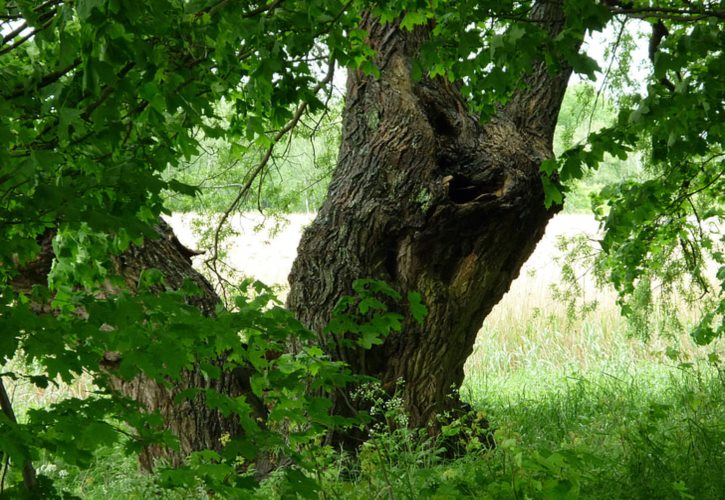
{"points": [[391, 459], [468, 432]]}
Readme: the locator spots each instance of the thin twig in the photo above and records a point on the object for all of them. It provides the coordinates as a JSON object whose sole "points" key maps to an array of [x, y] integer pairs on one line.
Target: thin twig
{"points": [[15, 32], [5, 471], [262, 9], [49, 15], [107, 91], [606, 74], [291, 124]]}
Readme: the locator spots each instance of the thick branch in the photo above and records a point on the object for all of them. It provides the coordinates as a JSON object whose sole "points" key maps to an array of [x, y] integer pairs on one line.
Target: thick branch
{"points": [[535, 108]]}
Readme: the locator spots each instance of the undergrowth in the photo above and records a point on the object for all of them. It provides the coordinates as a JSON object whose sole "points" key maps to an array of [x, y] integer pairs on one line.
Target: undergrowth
{"points": [[647, 431], [579, 409]]}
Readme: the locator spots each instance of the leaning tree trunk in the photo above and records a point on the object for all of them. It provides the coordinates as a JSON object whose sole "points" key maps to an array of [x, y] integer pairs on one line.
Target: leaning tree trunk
{"points": [[428, 199], [196, 426]]}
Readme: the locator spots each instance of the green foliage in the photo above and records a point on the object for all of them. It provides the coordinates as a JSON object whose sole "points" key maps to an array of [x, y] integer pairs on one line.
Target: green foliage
{"points": [[365, 319], [639, 433], [113, 474], [99, 100], [103, 101], [292, 386], [296, 180], [662, 229], [394, 452], [583, 111]]}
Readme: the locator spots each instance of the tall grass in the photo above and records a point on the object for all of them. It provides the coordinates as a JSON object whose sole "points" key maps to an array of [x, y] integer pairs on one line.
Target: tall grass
{"points": [[579, 408]]}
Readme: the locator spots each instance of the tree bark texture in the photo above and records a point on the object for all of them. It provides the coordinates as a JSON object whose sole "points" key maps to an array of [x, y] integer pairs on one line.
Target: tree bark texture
{"points": [[196, 426], [428, 199]]}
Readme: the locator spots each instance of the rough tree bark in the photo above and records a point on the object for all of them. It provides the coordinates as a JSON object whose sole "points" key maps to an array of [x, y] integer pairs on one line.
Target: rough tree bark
{"points": [[196, 426], [429, 199]]}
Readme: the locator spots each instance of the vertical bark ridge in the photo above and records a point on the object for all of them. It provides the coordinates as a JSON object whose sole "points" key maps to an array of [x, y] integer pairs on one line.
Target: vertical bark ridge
{"points": [[535, 107]]}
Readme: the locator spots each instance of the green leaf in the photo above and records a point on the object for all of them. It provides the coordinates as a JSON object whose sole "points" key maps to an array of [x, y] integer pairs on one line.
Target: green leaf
{"points": [[413, 19], [552, 193], [417, 309]]}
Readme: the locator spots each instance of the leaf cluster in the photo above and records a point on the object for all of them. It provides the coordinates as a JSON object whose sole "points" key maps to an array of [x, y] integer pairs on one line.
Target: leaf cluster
{"points": [[664, 230]]}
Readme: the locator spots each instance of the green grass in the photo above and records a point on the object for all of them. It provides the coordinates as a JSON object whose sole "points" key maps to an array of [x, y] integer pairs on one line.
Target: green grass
{"points": [[580, 410], [638, 432]]}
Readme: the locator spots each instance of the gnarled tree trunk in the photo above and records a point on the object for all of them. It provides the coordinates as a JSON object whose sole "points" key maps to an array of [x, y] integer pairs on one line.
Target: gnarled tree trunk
{"points": [[428, 199], [424, 197]]}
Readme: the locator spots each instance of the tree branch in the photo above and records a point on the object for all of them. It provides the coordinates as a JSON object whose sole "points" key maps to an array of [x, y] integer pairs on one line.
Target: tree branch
{"points": [[292, 123], [29, 476], [15, 32], [48, 79], [680, 15], [107, 91], [536, 106], [48, 15]]}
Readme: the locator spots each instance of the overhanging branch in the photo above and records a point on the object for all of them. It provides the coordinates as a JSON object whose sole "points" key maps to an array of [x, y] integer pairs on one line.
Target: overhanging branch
{"points": [[670, 13], [683, 17]]}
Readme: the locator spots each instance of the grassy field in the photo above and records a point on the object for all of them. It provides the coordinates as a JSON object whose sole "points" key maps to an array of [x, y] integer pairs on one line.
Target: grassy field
{"points": [[580, 409]]}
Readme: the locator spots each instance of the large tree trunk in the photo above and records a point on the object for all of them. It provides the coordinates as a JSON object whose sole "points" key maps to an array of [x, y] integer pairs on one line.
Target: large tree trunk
{"points": [[195, 425], [428, 199], [424, 197]]}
